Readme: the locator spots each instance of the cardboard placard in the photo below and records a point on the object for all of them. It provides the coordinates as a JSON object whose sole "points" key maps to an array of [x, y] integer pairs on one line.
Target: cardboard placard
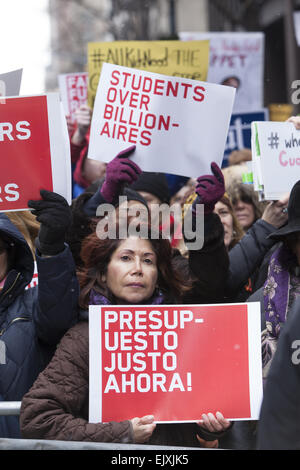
{"points": [[188, 60], [73, 89], [151, 359], [35, 150], [172, 121], [10, 83], [276, 160], [236, 58]]}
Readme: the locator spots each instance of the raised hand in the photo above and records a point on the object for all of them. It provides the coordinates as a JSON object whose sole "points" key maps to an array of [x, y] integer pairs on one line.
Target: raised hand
{"points": [[54, 215], [210, 188], [119, 171]]}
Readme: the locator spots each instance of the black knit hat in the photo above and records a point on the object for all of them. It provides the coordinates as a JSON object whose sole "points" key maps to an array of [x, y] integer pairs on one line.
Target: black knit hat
{"points": [[133, 196], [293, 224], [153, 183], [128, 192]]}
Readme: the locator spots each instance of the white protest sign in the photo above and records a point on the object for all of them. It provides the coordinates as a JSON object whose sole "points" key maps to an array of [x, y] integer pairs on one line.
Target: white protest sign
{"points": [[236, 59], [178, 125], [276, 158], [73, 91], [10, 83], [296, 16]]}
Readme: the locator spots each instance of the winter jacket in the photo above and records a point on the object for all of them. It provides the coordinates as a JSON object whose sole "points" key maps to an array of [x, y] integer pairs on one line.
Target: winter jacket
{"points": [[56, 407], [32, 321], [279, 423], [249, 260]]}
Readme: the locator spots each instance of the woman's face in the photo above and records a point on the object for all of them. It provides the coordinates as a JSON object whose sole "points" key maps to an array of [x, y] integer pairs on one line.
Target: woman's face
{"points": [[244, 213], [227, 221], [132, 271]]}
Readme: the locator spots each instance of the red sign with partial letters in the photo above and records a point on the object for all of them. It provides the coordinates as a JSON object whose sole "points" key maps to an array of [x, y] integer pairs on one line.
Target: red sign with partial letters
{"points": [[175, 362], [33, 154], [25, 151], [73, 91]]}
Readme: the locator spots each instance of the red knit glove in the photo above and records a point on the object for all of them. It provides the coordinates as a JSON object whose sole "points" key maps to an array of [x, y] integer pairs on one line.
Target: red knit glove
{"points": [[119, 171], [210, 189]]}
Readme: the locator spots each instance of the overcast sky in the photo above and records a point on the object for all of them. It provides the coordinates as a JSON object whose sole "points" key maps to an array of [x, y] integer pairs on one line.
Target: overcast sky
{"points": [[25, 41]]}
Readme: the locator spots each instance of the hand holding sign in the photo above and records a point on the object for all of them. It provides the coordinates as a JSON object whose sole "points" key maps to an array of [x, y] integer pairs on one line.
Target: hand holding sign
{"points": [[54, 214], [275, 212], [210, 188], [213, 424], [143, 428], [295, 120], [83, 117], [119, 171]]}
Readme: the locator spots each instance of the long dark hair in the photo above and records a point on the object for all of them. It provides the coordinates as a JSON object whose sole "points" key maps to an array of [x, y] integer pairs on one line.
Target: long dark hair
{"points": [[96, 254]]}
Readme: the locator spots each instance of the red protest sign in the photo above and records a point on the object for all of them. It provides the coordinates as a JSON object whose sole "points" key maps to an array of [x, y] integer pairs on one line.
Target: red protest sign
{"points": [[73, 91], [32, 148], [149, 359]]}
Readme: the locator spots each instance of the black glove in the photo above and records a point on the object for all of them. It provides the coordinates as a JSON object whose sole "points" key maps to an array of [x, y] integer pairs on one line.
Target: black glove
{"points": [[54, 215]]}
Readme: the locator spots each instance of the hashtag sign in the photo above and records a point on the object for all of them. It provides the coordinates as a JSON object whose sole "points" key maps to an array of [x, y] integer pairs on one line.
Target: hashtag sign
{"points": [[273, 140], [96, 58]]}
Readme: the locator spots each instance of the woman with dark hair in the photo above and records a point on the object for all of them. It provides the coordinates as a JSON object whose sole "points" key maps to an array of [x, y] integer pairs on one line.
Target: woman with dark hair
{"points": [[33, 321], [245, 203], [249, 249], [133, 270], [98, 283]]}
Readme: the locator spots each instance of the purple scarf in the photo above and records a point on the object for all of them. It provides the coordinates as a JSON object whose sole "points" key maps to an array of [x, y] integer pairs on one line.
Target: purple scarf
{"points": [[276, 301], [276, 289], [98, 299]]}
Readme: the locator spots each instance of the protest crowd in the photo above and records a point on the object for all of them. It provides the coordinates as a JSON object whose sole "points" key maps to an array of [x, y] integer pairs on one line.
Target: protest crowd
{"points": [[249, 252]]}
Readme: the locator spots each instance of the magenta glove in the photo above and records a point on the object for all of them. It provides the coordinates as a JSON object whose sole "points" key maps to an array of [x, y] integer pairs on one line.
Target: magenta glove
{"points": [[210, 189], [119, 171]]}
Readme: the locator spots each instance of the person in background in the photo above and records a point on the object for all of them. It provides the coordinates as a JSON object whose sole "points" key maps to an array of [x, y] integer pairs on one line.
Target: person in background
{"points": [[233, 232], [249, 254], [245, 203], [233, 174], [33, 321], [237, 157], [279, 421], [131, 271], [153, 187], [282, 286], [84, 170], [121, 172], [26, 222]]}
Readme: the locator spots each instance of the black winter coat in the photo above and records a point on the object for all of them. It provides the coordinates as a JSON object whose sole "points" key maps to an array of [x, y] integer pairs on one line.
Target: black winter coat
{"points": [[32, 321], [279, 423], [249, 260]]}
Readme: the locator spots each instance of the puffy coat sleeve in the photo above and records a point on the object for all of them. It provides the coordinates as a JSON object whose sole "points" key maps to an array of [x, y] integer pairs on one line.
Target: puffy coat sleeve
{"points": [[248, 254], [58, 291], [56, 405]]}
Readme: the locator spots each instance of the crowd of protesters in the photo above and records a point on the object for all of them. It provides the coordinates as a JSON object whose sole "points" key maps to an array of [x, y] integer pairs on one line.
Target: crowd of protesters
{"points": [[250, 252]]}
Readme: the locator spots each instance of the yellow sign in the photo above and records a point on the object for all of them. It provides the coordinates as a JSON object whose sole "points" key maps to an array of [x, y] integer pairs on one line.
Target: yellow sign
{"points": [[187, 59]]}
